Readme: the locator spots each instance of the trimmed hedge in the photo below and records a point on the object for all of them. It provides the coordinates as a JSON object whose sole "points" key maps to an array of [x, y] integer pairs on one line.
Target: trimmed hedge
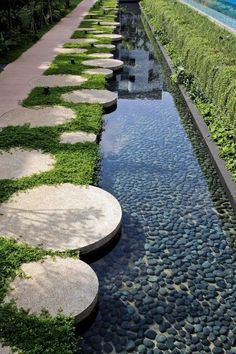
{"points": [[205, 53]]}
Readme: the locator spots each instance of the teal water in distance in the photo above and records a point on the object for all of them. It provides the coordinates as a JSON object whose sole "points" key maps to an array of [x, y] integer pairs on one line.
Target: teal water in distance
{"points": [[223, 11]]}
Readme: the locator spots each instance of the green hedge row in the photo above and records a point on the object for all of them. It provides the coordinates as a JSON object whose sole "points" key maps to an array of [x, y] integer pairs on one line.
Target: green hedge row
{"points": [[205, 55]]}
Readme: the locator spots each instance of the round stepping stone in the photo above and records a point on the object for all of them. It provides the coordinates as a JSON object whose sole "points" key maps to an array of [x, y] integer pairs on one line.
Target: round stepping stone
{"points": [[18, 163], [37, 116], [70, 50], [101, 55], [77, 137], [82, 40], [56, 284], [68, 217], [108, 46], [112, 36], [83, 29], [59, 80], [96, 71], [104, 97], [110, 23], [113, 64], [5, 350]]}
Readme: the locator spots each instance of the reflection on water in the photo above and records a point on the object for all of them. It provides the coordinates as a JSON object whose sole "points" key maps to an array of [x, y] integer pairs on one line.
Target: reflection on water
{"points": [[168, 286]]}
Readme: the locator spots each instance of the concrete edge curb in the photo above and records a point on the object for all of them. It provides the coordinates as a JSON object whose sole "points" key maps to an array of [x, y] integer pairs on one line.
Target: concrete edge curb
{"points": [[224, 175]]}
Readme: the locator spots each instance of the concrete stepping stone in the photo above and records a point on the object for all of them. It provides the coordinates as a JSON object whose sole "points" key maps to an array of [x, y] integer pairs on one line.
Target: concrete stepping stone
{"points": [[101, 55], [108, 46], [68, 217], [82, 40], [112, 64], [114, 37], [57, 285], [96, 71], [5, 350], [77, 137], [59, 80], [37, 116], [18, 163], [110, 23], [104, 97], [70, 50]]}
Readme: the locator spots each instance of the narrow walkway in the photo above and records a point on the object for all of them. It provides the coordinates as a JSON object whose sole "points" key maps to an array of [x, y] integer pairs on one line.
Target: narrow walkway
{"points": [[17, 80]]}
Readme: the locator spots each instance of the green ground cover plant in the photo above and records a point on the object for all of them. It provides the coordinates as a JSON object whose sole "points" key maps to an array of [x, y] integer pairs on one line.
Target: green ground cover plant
{"points": [[74, 163], [204, 55]]}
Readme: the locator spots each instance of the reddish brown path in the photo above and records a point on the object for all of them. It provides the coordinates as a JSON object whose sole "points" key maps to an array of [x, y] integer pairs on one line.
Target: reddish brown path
{"points": [[16, 81]]}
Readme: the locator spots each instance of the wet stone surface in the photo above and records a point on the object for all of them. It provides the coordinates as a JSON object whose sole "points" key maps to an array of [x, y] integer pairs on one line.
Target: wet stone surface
{"points": [[169, 285]]}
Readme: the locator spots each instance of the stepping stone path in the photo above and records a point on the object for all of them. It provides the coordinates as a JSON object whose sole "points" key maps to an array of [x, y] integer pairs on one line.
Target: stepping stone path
{"points": [[70, 50], [113, 64], [101, 55], [59, 80], [61, 284], [104, 97], [108, 46], [68, 217], [112, 36], [77, 137], [37, 116], [18, 163], [96, 71]]}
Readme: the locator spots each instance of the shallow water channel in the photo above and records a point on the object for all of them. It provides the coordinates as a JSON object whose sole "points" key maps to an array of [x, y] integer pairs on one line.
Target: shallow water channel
{"points": [[169, 284]]}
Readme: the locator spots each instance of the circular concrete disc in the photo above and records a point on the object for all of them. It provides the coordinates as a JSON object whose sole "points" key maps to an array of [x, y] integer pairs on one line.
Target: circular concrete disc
{"points": [[109, 46], [101, 55], [18, 163], [59, 80], [113, 64], [61, 284], [5, 350], [110, 23], [70, 50], [82, 40], [83, 29], [112, 36], [62, 217], [96, 71], [77, 137], [104, 97], [37, 116]]}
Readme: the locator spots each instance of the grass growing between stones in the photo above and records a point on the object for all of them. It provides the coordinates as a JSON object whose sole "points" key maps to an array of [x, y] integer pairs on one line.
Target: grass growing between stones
{"points": [[74, 163], [29, 333]]}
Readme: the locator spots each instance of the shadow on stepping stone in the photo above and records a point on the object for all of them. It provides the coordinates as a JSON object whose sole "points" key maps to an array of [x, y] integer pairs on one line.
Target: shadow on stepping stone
{"points": [[57, 284], [18, 163], [37, 116], [104, 97], [67, 217]]}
